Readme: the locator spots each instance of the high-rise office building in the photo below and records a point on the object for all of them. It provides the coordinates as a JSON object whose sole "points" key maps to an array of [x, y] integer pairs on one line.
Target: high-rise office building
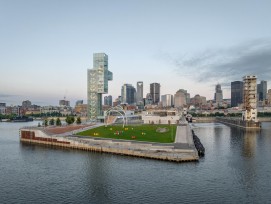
{"points": [[26, 104], [98, 78], [139, 92], [262, 91], [155, 92], [167, 100], [236, 93], [79, 102], [148, 99], [218, 94], [108, 100], [250, 98], [128, 94], [64, 103], [181, 98]]}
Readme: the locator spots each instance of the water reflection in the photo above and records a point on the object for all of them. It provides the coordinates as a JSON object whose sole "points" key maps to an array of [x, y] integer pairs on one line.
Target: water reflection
{"points": [[245, 140], [97, 177]]}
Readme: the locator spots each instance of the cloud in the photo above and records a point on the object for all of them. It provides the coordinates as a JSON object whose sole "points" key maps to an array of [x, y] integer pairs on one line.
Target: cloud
{"points": [[227, 64]]}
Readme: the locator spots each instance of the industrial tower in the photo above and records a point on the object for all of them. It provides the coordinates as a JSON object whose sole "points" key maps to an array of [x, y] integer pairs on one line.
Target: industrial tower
{"points": [[250, 98]]}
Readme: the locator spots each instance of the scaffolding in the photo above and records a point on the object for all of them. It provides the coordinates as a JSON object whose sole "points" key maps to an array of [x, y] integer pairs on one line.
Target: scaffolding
{"points": [[250, 98]]}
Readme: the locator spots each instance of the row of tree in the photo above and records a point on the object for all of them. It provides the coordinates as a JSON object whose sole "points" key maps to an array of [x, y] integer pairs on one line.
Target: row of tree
{"points": [[69, 120]]}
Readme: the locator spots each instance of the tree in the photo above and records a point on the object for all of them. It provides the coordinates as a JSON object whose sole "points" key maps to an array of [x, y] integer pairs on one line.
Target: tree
{"points": [[52, 121], [58, 122], [69, 120], [78, 120], [45, 122]]}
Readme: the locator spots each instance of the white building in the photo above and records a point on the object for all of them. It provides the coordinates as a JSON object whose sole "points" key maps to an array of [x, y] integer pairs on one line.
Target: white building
{"points": [[167, 100], [160, 117]]}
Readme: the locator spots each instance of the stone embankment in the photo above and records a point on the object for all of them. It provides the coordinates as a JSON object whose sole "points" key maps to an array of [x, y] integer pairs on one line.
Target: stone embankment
{"points": [[177, 152]]}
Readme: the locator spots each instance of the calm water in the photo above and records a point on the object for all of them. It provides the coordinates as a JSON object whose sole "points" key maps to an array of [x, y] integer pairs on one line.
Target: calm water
{"points": [[236, 169]]}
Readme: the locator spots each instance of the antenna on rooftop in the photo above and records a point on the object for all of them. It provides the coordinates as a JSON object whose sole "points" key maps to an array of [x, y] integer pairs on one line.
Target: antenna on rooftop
{"points": [[65, 94]]}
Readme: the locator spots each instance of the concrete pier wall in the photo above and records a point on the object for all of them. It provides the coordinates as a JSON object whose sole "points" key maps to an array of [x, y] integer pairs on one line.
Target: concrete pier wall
{"points": [[239, 123], [139, 149]]}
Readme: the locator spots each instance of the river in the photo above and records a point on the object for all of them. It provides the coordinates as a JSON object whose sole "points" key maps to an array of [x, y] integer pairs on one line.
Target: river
{"points": [[235, 169]]}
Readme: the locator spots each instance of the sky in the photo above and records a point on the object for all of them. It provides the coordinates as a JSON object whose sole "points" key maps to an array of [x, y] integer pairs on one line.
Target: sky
{"points": [[47, 46]]}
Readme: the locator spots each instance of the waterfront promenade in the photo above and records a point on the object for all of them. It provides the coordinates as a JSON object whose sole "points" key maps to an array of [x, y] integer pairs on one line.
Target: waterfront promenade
{"points": [[182, 149]]}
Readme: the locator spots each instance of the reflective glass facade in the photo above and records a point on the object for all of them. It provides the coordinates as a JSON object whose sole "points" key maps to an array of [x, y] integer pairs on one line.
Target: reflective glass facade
{"points": [[98, 78]]}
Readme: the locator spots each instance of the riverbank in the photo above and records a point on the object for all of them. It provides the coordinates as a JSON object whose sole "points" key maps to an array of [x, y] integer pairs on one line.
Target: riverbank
{"points": [[176, 152]]}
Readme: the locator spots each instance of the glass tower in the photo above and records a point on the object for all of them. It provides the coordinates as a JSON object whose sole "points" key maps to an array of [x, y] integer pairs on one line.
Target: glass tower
{"points": [[97, 85], [236, 93], [155, 92], [139, 92], [128, 94], [262, 90]]}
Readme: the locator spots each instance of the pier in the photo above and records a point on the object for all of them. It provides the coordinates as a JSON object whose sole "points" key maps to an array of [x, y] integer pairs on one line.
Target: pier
{"points": [[182, 150]]}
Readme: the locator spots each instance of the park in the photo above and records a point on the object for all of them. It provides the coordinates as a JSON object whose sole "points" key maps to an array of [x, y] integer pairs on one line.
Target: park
{"points": [[145, 132]]}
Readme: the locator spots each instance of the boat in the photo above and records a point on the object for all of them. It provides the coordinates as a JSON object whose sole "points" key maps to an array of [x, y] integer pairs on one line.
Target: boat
{"points": [[5, 120], [21, 119]]}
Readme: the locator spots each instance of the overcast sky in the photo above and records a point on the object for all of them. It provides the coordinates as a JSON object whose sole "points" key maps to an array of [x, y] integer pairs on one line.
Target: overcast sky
{"points": [[47, 46]]}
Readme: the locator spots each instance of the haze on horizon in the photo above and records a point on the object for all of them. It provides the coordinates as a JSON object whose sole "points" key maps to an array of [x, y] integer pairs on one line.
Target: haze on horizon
{"points": [[47, 46]]}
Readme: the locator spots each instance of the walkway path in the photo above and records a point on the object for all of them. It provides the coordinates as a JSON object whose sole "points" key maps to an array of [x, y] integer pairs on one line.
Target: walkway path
{"points": [[184, 136]]}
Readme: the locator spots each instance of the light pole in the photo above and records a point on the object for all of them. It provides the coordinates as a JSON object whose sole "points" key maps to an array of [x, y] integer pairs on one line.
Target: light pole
{"points": [[171, 131]]}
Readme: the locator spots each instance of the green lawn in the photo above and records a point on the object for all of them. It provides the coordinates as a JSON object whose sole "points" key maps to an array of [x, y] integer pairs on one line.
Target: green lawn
{"points": [[139, 133]]}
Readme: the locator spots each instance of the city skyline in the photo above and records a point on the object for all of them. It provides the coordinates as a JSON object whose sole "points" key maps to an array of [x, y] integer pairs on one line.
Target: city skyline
{"points": [[46, 47]]}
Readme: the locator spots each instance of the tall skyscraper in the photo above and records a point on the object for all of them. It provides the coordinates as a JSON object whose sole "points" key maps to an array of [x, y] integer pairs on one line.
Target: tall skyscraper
{"points": [[250, 98], [236, 93], [218, 94], [128, 94], [167, 100], [98, 78], [139, 92], [262, 91], [108, 100], [155, 92]]}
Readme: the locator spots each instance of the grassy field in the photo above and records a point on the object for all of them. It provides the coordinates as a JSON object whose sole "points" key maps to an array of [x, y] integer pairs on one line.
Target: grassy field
{"points": [[149, 133]]}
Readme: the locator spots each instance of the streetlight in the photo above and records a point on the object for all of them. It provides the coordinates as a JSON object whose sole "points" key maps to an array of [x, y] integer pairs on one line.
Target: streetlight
{"points": [[171, 130]]}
